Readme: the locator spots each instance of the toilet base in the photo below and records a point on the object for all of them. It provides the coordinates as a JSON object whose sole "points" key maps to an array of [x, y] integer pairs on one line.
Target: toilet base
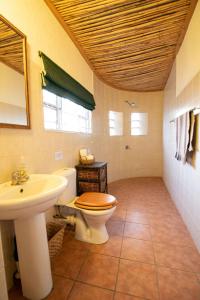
{"points": [[98, 235], [92, 228], [90, 224]]}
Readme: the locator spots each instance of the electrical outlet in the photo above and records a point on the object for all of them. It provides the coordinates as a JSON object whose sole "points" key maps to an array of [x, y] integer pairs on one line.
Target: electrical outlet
{"points": [[58, 155]]}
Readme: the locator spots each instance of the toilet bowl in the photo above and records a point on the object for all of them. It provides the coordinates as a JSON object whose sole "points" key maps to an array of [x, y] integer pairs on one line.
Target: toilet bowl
{"points": [[92, 210]]}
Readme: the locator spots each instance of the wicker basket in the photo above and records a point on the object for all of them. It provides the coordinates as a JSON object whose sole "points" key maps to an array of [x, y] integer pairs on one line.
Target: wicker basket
{"points": [[55, 234], [90, 174], [91, 186], [85, 161]]}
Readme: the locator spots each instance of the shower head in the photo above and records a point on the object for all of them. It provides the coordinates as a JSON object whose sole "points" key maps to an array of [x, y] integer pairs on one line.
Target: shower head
{"points": [[131, 104]]}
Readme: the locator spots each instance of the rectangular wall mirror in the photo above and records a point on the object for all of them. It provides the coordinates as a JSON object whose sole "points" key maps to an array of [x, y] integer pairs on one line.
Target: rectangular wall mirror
{"points": [[14, 103]]}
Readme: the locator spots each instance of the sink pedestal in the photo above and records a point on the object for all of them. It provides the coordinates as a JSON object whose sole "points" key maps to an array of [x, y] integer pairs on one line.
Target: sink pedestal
{"points": [[34, 261]]}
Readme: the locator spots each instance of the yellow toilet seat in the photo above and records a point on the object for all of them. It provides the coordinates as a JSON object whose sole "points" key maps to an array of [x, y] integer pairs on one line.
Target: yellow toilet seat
{"points": [[95, 201]]}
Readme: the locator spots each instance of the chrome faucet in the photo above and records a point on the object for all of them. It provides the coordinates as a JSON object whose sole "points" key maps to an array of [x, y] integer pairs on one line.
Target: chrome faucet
{"points": [[19, 177]]}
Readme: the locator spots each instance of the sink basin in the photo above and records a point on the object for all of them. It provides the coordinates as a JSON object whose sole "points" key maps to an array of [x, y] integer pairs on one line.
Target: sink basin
{"points": [[26, 204], [36, 195]]}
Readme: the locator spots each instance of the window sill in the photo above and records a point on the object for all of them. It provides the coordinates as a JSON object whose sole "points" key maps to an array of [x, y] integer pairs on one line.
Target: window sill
{"points": [[70, 132]]}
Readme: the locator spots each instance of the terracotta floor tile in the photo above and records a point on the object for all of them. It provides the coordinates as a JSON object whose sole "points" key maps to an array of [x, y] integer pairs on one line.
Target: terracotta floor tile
{"points": [[137, 217], [82, 291], [135, 206], [180, 238], [69, 241], [68, 262], [162, 212], [137, 279], [119, 214], [100, 270], [178, 285], [121, 296], [173, 236], [182, 258], [137, 231], [168, 207], [173, 220], [122, 204], [61, 288], [115, 228], [139, 250], [112, 247]]}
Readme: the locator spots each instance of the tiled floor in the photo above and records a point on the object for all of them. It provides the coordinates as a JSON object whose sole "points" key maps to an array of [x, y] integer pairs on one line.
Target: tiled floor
{"points": [[150, 254]]}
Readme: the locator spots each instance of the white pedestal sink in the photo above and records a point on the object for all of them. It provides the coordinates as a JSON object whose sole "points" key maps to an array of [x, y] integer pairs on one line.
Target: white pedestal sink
{"points": [[26, 204]]}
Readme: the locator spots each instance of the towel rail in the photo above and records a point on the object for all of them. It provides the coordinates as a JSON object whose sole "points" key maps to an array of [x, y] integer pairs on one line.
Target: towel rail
{"points": [[196, 111]]}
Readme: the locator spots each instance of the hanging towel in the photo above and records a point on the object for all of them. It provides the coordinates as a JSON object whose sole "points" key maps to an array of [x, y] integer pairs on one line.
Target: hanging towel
{"points": [[191, 133], [178, 136], [182, 136]]}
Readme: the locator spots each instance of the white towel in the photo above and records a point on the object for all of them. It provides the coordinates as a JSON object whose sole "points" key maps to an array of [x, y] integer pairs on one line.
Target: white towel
{"points": [[182, 136], [191, 133], [178, 136]]}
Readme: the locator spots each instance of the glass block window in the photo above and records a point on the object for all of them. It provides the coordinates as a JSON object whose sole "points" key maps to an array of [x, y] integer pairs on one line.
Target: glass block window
{"points": [[115, 123], [139, 123]]}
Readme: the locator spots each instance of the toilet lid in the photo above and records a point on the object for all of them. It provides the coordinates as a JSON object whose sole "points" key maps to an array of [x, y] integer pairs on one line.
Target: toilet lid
{"points": [[95, 207], [96, 201]]}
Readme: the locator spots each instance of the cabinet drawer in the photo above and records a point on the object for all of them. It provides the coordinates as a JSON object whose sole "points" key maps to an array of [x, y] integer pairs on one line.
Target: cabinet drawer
{"points": [[91, 174], [91, 186]]}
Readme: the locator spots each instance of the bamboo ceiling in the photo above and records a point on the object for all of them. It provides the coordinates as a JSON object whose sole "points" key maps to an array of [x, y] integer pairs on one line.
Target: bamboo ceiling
{"points": [[11, 47], [130, 44]]}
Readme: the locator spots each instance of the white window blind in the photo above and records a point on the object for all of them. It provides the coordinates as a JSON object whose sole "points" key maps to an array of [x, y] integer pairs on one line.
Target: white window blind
{"points": [[115, 123], [139, 123]]}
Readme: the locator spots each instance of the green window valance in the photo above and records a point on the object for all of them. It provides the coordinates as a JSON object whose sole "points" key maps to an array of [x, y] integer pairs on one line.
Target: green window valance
{"points": [[59, 82]]}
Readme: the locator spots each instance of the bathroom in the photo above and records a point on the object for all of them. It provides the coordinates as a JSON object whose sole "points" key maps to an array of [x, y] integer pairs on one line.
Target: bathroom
{"points": [[150, 155]]}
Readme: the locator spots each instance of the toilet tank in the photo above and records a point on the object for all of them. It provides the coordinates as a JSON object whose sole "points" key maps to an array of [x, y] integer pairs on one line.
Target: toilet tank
{"points": [[70, 191]]}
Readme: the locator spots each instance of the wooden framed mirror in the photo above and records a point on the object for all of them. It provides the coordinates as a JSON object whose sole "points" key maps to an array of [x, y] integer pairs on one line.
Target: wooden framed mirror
{"points": [[14, 100]]}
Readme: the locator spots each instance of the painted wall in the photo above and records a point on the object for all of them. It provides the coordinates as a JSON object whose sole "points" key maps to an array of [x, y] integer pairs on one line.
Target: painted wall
{"points": [[38, 146], [182, 93], [188, 58]]}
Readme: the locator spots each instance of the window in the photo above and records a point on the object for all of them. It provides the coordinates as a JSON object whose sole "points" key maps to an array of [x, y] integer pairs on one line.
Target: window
{"points": [[115, 123], [63, 114], [139, 123]]}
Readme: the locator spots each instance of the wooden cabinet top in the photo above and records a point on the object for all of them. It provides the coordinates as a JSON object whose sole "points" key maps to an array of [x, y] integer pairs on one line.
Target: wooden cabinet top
{"points": [[95, 165]]}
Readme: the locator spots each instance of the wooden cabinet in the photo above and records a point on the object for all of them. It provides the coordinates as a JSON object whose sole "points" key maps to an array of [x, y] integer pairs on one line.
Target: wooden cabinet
{"points": [[91, 178]]}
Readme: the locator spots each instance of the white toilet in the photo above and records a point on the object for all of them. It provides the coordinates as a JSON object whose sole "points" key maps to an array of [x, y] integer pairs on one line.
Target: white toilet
{"points": [[92, 210]]}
